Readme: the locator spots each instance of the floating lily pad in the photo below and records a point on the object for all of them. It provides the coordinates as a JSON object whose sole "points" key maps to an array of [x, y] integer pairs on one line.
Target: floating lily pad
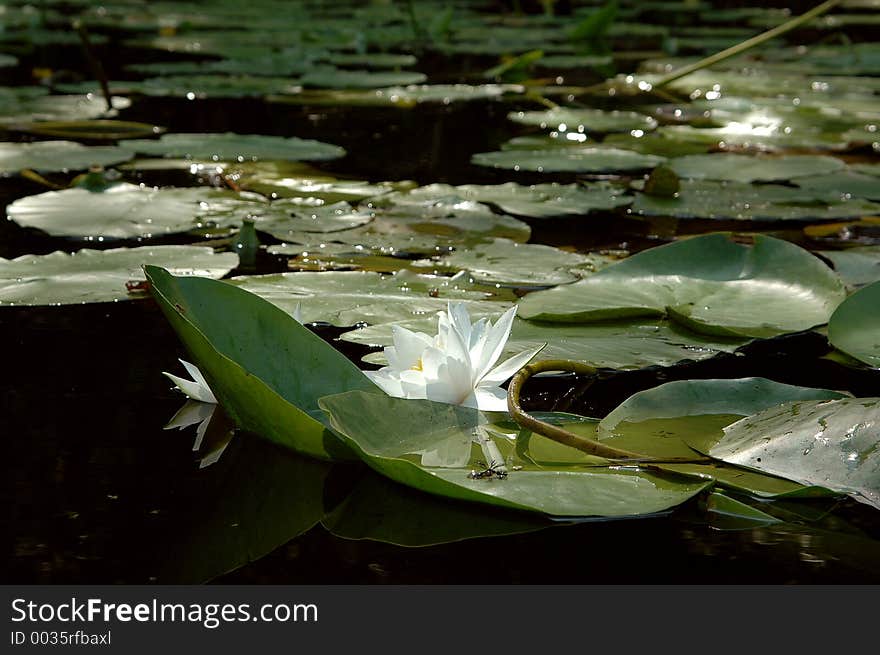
{"points": [[566, 119], [500, 261], [708, 283], [396, 96], [91, 276], [211, 86], [236, 147], [840, 186], [51, 156], [650, 422], [395, 437], [741, 168], [94, 129], [568, 160], [28, 104], [545, 200], [856, 266], [372, 59], [284, 219], [127, 211], [827, 443], [264, 367], [854, 327], [334, 78], [295, 180], [348, 298], [7, 61], [736, 201]]}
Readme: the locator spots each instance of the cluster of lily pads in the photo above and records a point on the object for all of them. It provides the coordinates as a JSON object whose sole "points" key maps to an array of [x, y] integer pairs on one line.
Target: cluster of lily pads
{"points": [[381, 258]]}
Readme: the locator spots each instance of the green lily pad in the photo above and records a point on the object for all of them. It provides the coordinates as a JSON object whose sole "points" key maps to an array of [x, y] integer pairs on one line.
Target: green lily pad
{"points": [[568, 160], [856, 266], [671, 419], [209, 86], [236, 147], [741, 168], [405, 97], [94, 129], [544, 200], [399, 438], [293, 180], [372, 59], [127, 211], [91, 276], [841, 186], [52, 156], [334, 78], [827, 443], [7, 61], [708, 283], [623, 345], [567, 119], [854, 327], [29, 104], [736, 201], [266, 370], [650, 421], [500, 261], [347, 298], [284, 219]]}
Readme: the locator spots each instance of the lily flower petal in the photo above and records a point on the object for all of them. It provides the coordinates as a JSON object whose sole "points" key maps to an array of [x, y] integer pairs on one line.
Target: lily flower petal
{"points": [[457, 366], [197, 388], [510, 366]]}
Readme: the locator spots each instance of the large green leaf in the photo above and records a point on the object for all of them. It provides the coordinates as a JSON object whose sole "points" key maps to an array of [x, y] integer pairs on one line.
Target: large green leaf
{"points": [[856, 266], [127, 211], [738, 201], [565, 119], [500, 261], [236, 147], [539, 200], [334, 78], [828, 443], [429, 446], [90, 276], [50, 156], [742, 168], [266, 369], [657, 421], [568, 160], [345, 298], [854, 327], [708, 283]]}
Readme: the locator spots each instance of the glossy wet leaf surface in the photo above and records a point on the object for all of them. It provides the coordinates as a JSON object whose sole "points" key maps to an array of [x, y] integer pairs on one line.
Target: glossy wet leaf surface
{"points": [[126, 211], [90, 276], [708, 283], [58, 156], [853, 327], [410, 430], [572, 160], [235, 147], [831, 443]]}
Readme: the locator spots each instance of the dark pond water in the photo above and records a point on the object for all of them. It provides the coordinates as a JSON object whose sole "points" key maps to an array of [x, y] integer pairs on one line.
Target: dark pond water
{"points": [[98, 492]]}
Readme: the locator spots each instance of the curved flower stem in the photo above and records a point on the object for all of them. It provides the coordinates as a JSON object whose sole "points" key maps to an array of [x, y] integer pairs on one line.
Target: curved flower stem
{"points": [[748, 44], [563, 436]]}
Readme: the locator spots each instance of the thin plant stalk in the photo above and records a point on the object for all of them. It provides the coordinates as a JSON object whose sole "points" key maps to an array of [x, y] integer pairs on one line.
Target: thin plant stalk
{"points": [[94, 62], [748, 44]]}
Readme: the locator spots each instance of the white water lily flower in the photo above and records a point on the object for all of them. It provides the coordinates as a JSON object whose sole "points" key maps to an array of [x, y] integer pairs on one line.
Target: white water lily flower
{"points": [[197, 388], [457, 366]]}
